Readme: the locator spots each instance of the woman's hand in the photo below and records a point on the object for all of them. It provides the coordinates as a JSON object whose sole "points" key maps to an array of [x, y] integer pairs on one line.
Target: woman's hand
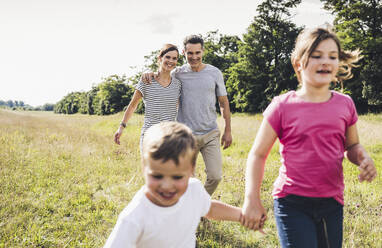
{"points": [[117, 135]]}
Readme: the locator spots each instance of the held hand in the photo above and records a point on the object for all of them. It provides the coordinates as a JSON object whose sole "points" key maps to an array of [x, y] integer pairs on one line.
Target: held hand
{"points": [[226, 140], [367, 170], [253, 216], [146, 77], [117, 135]]}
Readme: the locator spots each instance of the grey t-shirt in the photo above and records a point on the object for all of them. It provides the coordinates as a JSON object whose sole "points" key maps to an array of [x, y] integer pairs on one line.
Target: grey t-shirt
{"points": [[198, 98]]}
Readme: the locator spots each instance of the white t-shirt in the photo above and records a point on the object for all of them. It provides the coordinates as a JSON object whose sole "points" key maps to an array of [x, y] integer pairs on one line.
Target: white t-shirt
{"points": [[144, 224]]}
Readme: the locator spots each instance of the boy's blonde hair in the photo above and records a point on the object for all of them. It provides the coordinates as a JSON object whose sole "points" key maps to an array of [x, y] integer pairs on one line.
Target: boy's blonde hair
{"points": [[308, 40], [169, 140]]}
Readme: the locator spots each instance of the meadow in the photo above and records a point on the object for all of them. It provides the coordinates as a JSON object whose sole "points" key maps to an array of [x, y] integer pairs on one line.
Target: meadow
{"points": [[64, 182]]}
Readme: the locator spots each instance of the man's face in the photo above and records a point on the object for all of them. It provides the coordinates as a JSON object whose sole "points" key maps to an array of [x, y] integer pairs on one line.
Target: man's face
{"points": [[194, 54]]}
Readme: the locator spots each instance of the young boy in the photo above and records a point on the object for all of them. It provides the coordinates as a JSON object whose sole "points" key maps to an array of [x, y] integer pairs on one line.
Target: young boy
{"points": [[166, 211]]}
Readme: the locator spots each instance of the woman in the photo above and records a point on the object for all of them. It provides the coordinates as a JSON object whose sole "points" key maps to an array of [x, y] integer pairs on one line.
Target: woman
{"points": [[160, 97]]}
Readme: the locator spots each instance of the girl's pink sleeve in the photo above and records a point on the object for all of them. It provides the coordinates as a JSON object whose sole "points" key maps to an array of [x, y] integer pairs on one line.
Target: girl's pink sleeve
{"points": [[273, 115]]}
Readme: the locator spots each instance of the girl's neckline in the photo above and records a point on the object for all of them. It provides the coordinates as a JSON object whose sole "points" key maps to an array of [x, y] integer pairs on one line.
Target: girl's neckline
{"points": [[332, 93]]}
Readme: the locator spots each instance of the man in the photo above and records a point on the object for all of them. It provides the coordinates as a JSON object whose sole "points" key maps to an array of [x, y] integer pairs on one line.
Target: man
{"points": [[202, 84]]}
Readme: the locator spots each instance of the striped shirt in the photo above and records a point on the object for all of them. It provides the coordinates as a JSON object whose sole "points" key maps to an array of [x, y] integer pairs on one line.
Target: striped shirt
{"points": [[161, 103]]}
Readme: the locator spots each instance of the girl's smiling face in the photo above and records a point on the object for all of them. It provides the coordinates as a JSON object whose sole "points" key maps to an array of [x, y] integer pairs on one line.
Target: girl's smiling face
{"points": [[322, 66]]}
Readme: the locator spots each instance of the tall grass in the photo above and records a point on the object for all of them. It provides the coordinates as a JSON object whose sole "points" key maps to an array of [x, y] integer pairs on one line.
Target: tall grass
{"points": [[64, 182]]}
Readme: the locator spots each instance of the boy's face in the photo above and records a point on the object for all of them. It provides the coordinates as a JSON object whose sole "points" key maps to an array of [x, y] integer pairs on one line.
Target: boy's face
{"points": [[166, 182]]}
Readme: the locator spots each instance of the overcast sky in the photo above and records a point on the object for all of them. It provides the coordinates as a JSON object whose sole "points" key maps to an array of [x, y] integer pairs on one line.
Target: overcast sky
{"points": [[49, 48]]}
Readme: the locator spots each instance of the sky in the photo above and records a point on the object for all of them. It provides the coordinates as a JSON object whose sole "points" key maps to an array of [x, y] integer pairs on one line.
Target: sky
{"points": [[49, 48]]}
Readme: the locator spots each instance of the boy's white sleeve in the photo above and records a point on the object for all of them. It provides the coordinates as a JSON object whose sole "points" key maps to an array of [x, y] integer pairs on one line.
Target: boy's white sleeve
{"points": [[204, 197], [125, 234]]}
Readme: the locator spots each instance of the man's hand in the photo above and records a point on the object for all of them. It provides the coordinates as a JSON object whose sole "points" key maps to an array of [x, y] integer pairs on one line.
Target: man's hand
{"points": [[147, 77], [226, 139]]}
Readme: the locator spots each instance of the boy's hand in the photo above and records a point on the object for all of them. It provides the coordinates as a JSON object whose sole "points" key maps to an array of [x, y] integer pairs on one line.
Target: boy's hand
{"points": [[147, 76], [367, 170], [253, 216]]}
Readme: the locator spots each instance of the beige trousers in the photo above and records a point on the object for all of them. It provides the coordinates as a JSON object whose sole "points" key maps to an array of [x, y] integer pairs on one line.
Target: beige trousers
{"points": [[209, 147]]}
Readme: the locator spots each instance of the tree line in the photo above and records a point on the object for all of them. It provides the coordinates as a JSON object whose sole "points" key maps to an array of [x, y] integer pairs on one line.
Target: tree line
{"points": [[257, 66], [20, 105]]}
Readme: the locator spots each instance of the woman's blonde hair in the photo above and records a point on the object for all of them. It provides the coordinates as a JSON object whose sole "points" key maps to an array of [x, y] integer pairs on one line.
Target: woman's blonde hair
{"points": [[167, 48], [308, 40]]}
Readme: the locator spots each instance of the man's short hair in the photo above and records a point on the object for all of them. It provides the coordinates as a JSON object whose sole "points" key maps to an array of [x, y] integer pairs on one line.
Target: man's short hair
{"points": [[169, 140], [193, 39]]}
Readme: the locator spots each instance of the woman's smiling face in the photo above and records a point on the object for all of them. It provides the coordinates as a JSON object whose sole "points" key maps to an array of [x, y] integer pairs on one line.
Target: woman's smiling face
{"points": [[168, 61]]}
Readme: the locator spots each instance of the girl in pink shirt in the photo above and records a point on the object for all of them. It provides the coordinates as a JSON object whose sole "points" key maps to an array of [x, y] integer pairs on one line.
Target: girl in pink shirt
{"points": [[316, 128]]}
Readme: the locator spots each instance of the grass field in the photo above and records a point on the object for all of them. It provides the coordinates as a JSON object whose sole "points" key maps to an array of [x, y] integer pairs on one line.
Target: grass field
{"points": [[64, 182]]}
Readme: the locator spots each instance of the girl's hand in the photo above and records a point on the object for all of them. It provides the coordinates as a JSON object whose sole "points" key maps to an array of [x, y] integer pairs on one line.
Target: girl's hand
{"points": [[117, 135], [367, 170], [253, 215]]}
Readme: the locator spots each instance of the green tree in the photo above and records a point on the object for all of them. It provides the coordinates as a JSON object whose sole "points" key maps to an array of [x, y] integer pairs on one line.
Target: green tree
{"points": [[90, 100], [10, 103], [58, 107], [133, 81], [47, 107], [113, 95], [359, 26], [69, 104], [221, 51], [151, 61], [108, 97], [264, 69]]}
